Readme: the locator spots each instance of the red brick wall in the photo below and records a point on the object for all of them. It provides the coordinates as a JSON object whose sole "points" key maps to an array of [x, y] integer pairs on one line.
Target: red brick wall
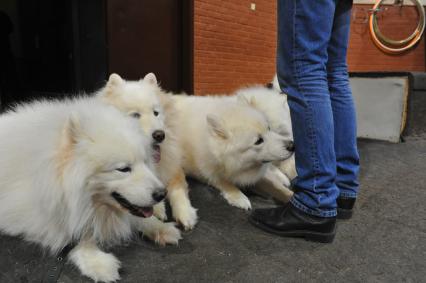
{"points": [[394, 23], [235, 46]]}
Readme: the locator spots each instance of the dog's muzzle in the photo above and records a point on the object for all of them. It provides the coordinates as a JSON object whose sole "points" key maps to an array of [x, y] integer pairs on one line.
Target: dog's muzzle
{"points": [[156, 152], [133, 209], [158, 136]]}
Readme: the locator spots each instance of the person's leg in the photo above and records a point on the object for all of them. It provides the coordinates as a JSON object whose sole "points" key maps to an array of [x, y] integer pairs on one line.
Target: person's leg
{"points": [[345, 146], [304, 31]]}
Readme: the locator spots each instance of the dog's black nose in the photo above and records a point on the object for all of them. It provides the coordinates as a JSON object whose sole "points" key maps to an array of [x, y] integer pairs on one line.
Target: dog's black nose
{"points": [[159, 195], [158, 135], [290, 146]]}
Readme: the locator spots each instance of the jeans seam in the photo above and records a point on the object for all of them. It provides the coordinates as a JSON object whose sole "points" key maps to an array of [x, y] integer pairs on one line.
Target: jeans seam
{"points": [[311, 132]]}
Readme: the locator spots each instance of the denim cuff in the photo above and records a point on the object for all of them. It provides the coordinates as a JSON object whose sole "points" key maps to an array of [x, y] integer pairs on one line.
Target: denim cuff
{"points": [[347, 194], [346, 191], [321, 213]]}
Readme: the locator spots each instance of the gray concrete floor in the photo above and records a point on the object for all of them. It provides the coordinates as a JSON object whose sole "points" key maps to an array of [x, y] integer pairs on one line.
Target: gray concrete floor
{"points": [[384, 242]]}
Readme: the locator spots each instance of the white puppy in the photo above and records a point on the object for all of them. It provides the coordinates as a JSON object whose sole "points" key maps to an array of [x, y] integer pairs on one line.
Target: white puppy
{"points": [[145, 101], [288, 166], [274, 105], [78, 171], [226, 143]]}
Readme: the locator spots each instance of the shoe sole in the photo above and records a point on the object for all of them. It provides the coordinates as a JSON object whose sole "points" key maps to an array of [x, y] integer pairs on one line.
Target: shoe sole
{"points": [[344, 213], [307, 235]]}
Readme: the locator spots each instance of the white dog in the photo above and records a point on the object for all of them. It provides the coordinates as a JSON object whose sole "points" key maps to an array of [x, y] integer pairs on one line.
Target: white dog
{"points": [[226, 143], [288, 167], [78, 171], [145, 101], [275, 107]]}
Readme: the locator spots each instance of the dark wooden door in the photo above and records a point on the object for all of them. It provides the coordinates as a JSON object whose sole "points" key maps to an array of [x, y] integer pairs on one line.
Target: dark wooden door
{"points": [[151, 36], [59, 49]]}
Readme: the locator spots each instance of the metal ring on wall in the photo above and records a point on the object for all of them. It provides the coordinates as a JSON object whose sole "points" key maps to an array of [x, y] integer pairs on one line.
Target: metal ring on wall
{"points": [[396, 46]]}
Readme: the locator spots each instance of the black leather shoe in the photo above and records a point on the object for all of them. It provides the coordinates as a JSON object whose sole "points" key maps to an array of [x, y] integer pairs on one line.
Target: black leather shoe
{"points": [[345, 207], [288, 221]]}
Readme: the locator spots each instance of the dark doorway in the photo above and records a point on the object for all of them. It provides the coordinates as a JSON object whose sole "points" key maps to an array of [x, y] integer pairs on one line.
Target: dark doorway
{"points": [[54, 48], [151, 36]]}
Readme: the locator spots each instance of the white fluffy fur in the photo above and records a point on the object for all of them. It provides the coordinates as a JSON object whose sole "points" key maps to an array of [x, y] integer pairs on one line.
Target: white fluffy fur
{"points": [[218, 135], [59, 162], [288, 167], [146, 97], [275, 107], [273, 104]]}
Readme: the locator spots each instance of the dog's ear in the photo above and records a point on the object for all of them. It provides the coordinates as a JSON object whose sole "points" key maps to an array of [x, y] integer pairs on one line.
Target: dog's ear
{"points": [[113, 82], [73, 130], [217, 126], [150, 78], [69, 137], [247, 100]]}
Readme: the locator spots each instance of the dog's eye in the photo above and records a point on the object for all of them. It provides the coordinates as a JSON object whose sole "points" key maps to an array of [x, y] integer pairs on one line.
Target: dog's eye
{"points": [[259, 141], [156, 113], [135, 115], [125, 169]]}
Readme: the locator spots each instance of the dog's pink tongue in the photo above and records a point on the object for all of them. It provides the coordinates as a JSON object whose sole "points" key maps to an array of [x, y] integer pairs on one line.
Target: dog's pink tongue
{"points": [[157, 153], [157, 156], [147, 211]]}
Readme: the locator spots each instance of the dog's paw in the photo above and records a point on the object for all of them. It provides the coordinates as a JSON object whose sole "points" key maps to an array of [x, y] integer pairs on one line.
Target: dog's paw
{"points": [[97, 265], [186, 216], [286, 181], [237, 199], [167, 234], [160, 211]]}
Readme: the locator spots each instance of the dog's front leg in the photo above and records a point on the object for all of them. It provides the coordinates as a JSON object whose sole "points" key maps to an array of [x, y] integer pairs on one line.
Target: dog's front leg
{"points": [[233, 195], [272, 183], [177, 193], [94, 263], [160, 232], [276, 175], [288, 167], [160, 211]]}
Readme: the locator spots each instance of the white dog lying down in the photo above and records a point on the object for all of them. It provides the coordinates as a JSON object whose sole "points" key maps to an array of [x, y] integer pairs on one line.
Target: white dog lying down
{"points": [[78, 171], [146, 102], [288, 166], [227, 143], [274, 105]]}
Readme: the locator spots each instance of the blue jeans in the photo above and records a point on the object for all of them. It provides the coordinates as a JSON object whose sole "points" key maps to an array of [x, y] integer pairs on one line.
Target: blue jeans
{"points": [[313, 38]]}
